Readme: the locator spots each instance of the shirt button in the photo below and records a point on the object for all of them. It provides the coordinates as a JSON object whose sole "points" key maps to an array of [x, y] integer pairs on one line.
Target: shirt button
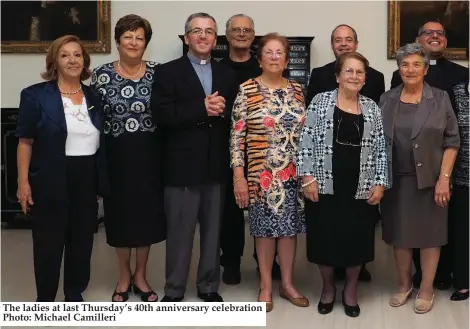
{"points": [[419, 164], [416, 146]]}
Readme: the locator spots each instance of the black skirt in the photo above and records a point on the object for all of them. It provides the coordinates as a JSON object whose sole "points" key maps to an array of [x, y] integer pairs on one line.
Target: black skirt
{"points": [[340, 228], [134, 215]]}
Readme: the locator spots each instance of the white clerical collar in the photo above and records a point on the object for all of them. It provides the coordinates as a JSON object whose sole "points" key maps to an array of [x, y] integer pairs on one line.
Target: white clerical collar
{"points": [[196, 60], [432, 62]]}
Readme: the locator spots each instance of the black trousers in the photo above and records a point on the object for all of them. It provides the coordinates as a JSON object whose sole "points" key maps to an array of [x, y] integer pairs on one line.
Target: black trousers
{"points": [[69, 225], [458, 236], [232, 234]]}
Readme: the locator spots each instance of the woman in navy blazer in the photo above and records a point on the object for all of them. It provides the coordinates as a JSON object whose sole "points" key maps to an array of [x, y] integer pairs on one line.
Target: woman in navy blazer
{"points": [[61, 168]]}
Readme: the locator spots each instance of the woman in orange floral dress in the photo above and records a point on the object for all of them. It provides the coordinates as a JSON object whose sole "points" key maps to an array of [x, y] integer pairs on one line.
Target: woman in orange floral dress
{"points": [[267, 120]]}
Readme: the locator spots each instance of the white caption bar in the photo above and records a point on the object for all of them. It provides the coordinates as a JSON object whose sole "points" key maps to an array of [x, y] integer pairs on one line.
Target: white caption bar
{"points": [[133, 314]]}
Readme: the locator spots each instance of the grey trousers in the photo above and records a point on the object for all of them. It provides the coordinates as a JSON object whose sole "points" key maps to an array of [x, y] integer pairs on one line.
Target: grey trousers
{"points": [[184, 207]]}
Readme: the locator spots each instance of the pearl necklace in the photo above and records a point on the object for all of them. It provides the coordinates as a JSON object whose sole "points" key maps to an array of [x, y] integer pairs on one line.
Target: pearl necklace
{"points": [[129, 76], [70, 92]]}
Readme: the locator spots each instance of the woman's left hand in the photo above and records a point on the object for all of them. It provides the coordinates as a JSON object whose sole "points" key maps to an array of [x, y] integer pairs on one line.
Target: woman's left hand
{"points": [[375, 195], [442, 192]]}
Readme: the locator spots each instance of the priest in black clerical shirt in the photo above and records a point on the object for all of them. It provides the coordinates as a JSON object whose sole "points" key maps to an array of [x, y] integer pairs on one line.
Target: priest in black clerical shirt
{"points": [[343, 39], [442, 74]]}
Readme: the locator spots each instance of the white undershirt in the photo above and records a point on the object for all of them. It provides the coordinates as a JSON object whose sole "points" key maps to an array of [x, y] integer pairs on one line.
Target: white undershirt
{"points": [[82, 136]]}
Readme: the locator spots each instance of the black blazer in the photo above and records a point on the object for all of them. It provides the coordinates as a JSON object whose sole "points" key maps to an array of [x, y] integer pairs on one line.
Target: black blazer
{"points": [[444, 75], [323, 79], [42, 118], [195, 146]]}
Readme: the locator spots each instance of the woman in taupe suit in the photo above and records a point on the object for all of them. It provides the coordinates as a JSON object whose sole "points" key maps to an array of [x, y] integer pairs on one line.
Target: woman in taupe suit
{"points": [[422, 143]]}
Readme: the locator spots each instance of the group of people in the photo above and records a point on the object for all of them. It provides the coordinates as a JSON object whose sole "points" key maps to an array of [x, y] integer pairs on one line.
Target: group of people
{"points": [[198, 141]]}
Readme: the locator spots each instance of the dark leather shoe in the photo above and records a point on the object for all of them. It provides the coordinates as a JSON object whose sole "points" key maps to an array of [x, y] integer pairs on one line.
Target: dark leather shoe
{"points": [[168, 299], [325, 308], [459, 296], [232, 275], [352, 311], [364, 275], [212, 297]]}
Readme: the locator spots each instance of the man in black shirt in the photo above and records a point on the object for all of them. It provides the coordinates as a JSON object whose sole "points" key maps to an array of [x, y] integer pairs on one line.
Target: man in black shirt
{"points": [[343, 40], [442, 74], [240, 34]]}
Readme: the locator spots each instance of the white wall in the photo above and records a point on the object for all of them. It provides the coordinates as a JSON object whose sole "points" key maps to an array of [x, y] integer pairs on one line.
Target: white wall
{"points": [[313, 18]]}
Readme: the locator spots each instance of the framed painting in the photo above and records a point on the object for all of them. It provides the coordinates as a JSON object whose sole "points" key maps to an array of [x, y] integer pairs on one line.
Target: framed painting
{"points": [[406, 17], [30, 26]]}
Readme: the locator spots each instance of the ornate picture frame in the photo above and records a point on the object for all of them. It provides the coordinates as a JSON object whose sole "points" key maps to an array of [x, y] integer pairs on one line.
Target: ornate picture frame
{"points": [[405, 18], [23, 32]]}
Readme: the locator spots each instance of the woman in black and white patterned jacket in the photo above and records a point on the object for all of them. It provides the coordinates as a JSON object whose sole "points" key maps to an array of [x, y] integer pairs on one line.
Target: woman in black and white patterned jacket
{"points": [[343, 163]]}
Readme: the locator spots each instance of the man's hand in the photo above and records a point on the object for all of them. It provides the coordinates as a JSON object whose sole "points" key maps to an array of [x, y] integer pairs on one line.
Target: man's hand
{"points": [[215, 104]]}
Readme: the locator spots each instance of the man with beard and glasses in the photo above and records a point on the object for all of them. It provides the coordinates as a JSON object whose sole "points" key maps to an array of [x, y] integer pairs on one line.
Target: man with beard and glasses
{"points": [[442, 74], [240, 33], [344, 40]]}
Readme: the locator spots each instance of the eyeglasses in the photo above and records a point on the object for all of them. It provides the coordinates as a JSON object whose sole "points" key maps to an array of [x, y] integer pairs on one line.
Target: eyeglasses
{"points": [[429, 33], [348, 143], [277, 54], [350, 72], [199, 31], [240, 30]]}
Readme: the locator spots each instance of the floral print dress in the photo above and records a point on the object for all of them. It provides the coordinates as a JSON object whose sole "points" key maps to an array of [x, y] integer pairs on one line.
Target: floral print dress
{"points": [[266, 125]]}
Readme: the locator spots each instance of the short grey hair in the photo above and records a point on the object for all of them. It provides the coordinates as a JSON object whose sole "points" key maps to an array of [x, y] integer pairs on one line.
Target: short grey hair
{"points": [[187, 25], [341, 25], [412, 49], [228, 25]]}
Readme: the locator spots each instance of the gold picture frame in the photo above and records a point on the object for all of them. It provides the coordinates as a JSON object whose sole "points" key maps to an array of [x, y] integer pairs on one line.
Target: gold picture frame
{"points": [[405, 18], [24, 34]]}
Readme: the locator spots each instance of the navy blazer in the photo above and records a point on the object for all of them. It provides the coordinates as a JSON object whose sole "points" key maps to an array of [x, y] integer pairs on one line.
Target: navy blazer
{"points": [[42, 118]]}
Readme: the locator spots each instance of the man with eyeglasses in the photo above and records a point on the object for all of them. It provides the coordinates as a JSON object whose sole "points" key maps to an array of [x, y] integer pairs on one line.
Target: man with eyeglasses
{"points": [[191, 102], [442, 74], [240, 33], [343, 40]]}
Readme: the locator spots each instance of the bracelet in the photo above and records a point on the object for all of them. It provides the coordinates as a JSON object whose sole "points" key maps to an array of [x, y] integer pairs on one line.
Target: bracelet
{"points": [[446, 175], [237, 180], [308, 183]]}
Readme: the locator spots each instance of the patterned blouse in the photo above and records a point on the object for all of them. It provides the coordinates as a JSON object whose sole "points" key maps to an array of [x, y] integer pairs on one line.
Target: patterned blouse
{"points": [[268, 124], [315, 156], [126, 103], [461, 174]]}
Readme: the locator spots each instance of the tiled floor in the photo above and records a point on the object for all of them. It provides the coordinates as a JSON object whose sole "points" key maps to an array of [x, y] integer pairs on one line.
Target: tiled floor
{"points": [[18, 285]]}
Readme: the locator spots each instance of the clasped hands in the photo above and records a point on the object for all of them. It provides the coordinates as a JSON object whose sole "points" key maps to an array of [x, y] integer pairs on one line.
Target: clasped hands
{"points": [[215, 105]]}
